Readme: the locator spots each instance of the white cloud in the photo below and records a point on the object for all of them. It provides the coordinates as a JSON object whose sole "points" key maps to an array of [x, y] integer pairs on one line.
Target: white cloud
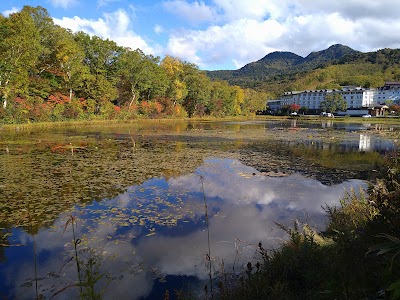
{"points": [[115, 26], [242, 40], [255, 28], [249, 9], [63, 3], [8, 12], [196, 12]]}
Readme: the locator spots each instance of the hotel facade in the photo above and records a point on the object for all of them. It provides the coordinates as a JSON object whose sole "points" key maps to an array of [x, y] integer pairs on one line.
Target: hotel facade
{"points": [[357, 98]]}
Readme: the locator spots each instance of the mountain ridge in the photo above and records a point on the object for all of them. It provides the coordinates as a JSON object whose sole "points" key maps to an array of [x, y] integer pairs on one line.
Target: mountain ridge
{"points": [[283, 62], [338, 65]]}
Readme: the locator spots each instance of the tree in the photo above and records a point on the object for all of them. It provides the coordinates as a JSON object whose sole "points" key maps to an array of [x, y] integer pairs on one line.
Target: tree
{"points": [[294, 107], [253, 102], [196, 101], [19, 52], [140, 77], [333, 102], [238, 100], [221, 99], [175, 70], [68, 58], [101, 57]]}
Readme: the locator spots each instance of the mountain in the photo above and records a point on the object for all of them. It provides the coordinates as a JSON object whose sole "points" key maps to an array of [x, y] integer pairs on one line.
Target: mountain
{"points": [[282, 63], [273, 63], [333, 67], [334, 52]]}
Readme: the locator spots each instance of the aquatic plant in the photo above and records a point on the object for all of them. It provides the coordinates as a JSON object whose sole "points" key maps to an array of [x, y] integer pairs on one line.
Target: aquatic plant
{"points": [[208, 239]]}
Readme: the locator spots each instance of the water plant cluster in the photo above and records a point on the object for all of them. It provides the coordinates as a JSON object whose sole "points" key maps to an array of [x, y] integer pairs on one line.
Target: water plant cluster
{"points": [[110, 187]]}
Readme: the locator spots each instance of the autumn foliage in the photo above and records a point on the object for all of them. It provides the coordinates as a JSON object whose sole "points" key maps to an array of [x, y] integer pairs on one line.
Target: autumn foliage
{"points": [[62, 76]]}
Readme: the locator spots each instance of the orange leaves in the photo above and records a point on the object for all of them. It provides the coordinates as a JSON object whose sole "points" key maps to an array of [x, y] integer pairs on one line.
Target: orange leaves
{"points": [[58, 98]]}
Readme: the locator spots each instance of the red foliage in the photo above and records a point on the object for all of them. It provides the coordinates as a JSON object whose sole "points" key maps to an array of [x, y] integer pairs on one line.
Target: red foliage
{"points": [[22, 103], [58, 98], [294, 107], [144, 108], [158, 107]]}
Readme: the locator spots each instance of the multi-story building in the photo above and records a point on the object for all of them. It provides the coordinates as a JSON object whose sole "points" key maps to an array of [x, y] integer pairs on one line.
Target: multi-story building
{"points": [[357, 98], [274, 105], [390, 91]]}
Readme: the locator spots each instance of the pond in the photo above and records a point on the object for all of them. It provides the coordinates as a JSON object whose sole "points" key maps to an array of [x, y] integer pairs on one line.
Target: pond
{"points": [[144, 208]]}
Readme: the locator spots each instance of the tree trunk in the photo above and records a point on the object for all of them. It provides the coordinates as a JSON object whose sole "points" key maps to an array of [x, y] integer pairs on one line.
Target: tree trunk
{"points": [[132, 100], [5, 95]]}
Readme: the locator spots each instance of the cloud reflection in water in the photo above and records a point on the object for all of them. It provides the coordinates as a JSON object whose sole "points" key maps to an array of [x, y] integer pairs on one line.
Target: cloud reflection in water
{"points": [[243, 206]]}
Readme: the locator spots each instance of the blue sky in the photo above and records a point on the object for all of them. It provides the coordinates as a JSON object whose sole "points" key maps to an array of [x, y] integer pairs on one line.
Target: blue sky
{"points": [[227, 34]]}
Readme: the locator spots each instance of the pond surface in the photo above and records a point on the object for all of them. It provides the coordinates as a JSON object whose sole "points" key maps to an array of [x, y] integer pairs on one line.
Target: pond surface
{"points": [[128, 202]]}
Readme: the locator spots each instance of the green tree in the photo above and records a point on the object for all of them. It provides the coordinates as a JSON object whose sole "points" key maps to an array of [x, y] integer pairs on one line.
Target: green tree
{"points": [[70, 57], [253, 101], [101, 57], [220, 98], [333, 102], [198, 96], [19, 52], [140, 77]]}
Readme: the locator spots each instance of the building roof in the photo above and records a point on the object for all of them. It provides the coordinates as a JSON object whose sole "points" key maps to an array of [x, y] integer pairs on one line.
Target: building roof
{"points": [[391, 84]]}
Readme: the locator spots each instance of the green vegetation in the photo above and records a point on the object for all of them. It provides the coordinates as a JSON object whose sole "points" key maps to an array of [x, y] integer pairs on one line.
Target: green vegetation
{"points": [[47, 73], [333, 103], [354, 258]]}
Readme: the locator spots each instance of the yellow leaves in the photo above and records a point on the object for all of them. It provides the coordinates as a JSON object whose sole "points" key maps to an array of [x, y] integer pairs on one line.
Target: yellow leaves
{"points": [[172, 66]]}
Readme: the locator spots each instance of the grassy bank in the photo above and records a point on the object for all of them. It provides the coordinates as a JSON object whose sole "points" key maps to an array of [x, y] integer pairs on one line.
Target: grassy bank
{"points": [[117, 122]]}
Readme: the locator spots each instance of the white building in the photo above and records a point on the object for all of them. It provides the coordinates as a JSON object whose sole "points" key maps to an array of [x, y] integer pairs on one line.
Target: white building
{"points": [[356, 98], [390, 91]]}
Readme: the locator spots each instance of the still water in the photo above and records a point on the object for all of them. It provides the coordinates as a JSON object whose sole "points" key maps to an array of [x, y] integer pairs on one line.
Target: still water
{"points": [[128, 202]]}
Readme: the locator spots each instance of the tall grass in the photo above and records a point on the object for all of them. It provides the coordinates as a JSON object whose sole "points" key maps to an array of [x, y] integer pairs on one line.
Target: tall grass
{"points": [[208, 238]]}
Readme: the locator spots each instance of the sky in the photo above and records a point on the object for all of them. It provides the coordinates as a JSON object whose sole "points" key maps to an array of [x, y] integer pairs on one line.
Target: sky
{"points": [[228, 34]]}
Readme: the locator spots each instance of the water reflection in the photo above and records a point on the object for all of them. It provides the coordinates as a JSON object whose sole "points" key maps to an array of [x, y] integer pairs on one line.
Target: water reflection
{"points": [[157, 229], [326, 123], [361, 142]]}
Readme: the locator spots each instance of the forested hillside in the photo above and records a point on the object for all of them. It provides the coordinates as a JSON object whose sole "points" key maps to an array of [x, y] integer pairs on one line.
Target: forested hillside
{"points": [[48, 73], [338, 65]]}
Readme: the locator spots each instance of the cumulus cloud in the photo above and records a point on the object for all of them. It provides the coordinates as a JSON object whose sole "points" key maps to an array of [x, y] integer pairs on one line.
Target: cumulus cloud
{"points": [[8, 12], [245, 31], [242, 40], [195, 12], [115, 26]]}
